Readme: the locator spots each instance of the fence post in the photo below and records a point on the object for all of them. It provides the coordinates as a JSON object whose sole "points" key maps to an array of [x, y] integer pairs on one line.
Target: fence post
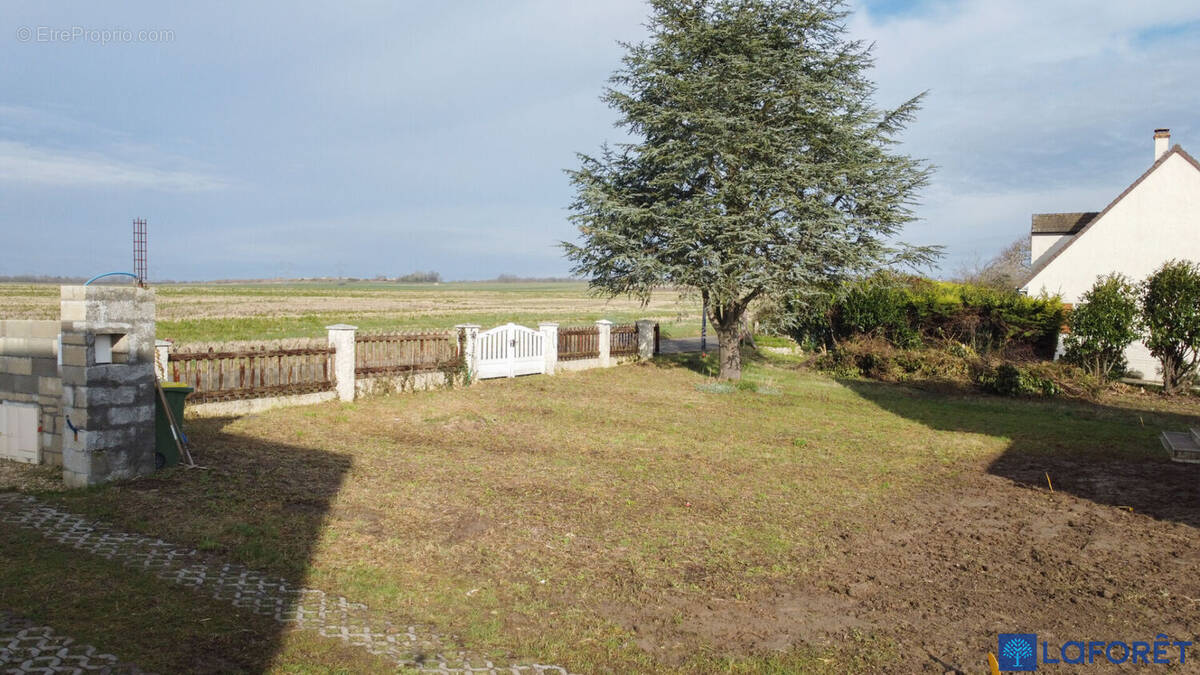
{"points": [[341, 338], [470, 331], [550, 344], [645, 338], [162, 355], [604, 327]]}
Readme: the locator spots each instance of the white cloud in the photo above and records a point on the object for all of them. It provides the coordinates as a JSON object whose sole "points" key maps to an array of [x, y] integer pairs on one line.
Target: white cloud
{"points": [[411, 136], [1033, 107], [25, 164]]}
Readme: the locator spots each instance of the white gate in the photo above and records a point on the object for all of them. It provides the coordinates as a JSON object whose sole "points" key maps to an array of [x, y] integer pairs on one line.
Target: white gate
{"points": [[508, 351]]}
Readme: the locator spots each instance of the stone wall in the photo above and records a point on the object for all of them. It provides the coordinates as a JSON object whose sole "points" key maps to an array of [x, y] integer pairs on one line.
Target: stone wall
{"points": [[252, 406], [395, 384], [108, 383], [29, 374], [588, 364]]}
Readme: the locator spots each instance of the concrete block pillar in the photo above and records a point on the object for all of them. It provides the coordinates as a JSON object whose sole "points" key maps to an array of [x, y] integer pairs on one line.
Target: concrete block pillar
{"points": [[604, 327], [470, 342], [550, 342], [162, 354], [645, 333], [341, 338], [108, 388]]}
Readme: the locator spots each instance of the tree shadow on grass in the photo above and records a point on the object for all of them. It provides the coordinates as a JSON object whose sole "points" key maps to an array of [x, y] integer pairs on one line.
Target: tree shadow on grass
{"points": [[707, 364], [258, 503], [693, 361], [1106, 453]]}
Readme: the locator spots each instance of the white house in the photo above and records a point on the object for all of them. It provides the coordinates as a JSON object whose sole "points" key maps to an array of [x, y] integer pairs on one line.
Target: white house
{"points": [[1154, 220]]}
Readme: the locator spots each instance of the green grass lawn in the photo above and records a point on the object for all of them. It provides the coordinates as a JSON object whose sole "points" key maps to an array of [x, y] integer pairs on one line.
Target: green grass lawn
{"points": [[589, 519]]}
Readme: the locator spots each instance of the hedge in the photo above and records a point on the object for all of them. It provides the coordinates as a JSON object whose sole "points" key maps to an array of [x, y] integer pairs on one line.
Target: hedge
{"points": [[911, 312]]}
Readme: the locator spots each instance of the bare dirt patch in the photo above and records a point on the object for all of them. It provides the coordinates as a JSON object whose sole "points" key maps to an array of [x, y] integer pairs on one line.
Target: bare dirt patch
{"points": [[945, 570]]}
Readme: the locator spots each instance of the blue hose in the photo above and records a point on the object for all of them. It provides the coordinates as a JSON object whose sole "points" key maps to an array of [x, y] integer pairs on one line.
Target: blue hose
{"points": [[73, 428], [110, 274]]}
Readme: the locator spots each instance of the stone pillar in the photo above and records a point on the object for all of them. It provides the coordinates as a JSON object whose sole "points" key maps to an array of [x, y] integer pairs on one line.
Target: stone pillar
{"points": [[645, 333], [341, 338], [470, 333], [162, 353], [108, 390], [604, 327], [550, 342]]}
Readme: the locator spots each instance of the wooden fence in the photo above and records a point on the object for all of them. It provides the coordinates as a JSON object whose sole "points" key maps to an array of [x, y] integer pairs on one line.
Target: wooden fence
{"points": [[403, 353], [578, 342], [228, 374], [623, 340]]}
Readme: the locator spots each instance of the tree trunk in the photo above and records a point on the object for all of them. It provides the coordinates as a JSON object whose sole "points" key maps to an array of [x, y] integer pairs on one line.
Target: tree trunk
{"points": [[1170, 370], [727, 320], [731, 352]]}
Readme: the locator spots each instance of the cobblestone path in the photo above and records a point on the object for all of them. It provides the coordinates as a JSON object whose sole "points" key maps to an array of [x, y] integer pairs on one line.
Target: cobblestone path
{"points": [[306, 608], [26, 648]]}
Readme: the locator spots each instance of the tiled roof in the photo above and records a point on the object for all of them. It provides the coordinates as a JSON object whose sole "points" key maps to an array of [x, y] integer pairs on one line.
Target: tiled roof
{"points": [[1061, 223]]}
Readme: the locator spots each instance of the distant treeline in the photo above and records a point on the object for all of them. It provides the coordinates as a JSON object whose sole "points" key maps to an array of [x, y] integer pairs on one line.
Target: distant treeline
{"points": [[514, 279], [429, 277]]}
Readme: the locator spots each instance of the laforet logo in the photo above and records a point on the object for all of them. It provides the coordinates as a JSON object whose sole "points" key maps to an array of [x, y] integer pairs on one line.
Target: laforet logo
{"points": [[1018, 652]]}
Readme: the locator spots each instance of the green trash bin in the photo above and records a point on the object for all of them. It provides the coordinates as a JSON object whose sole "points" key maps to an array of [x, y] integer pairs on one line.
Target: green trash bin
{"points": [[165, 451]]}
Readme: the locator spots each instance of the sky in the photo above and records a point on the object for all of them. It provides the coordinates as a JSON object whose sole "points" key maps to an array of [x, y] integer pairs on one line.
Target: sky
{"points": [[283, 139]]}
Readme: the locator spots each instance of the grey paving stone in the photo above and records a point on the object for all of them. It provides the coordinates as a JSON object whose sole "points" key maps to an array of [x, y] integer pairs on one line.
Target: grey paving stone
{"points": [[27, 648], [411, 646]]}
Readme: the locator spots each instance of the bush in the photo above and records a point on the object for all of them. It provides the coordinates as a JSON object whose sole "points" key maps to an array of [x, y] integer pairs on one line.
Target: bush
{"points": [[912, 312], [876, 358], [875, 307], [1103, 325], [1011, 380], [954, 364], [1171, 312]]}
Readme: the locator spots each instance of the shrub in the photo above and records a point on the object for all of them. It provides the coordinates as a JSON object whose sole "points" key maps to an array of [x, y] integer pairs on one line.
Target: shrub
{"points": [[864, 356], [988, 320], [1171, 312], [802, 316], [1011, 380], [911, 312], [1103, 325], [953, 364], [876, 358], [878, 307]]}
